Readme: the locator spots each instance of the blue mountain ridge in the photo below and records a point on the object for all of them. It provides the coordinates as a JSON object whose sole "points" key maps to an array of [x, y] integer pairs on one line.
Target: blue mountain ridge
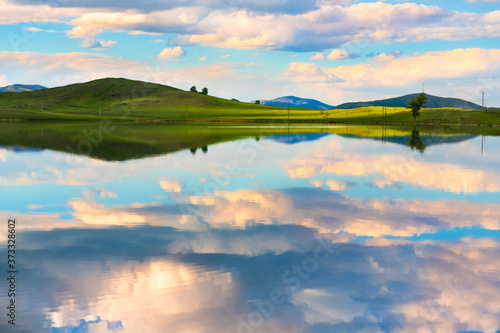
{"points": [[21, 88], [296, 102]]}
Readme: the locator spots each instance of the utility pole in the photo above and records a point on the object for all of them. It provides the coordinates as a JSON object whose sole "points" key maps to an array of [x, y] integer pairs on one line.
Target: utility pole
{"points": [[423, 88], [483, 101]]}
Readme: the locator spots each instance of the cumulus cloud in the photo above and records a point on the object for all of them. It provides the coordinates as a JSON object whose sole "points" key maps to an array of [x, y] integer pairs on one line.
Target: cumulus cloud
{"points": [[341, 54], [318, 56], [172, 53], [388, 56], [89, 34]]}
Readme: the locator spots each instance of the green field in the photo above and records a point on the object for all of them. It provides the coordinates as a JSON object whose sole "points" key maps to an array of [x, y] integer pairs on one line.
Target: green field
{"points": [[127, 100]]}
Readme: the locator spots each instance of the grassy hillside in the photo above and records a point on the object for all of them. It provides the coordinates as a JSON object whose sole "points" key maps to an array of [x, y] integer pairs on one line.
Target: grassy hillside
{"points": [[117, 98]]}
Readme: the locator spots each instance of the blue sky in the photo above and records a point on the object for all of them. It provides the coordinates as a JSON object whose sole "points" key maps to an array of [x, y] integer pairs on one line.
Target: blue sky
{"points": [[331, 50]]}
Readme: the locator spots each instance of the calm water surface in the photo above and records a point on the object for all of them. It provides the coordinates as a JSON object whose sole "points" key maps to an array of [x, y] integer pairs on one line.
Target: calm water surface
{"points": [[300, 233]]}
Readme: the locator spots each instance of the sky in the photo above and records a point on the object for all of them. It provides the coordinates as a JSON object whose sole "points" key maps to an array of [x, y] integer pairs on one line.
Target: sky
{"points": [[335, 51]]}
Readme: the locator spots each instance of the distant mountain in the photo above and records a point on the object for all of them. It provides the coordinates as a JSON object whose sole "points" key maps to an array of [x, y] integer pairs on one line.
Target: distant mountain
{"points": [[21, 88], [402, 101], [296, 102]]}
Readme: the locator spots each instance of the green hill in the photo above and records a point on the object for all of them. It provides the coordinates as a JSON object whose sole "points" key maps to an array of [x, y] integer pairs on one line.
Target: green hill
{"points": [[402, 101], [115, 97]]}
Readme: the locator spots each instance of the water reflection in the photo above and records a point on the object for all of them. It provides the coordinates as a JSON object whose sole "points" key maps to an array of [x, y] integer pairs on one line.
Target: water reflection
{"points": [[320, 233], [415, 142]]}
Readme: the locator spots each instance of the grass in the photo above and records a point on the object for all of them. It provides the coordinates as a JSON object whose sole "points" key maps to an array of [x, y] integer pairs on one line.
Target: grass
{"points": [[128, 100]]}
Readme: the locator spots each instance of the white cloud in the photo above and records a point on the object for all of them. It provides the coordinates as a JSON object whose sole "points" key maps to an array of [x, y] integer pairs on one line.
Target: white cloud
{"points": [[84, 32], [89, 35], [35, 29], [172, 53], [318, 56], [107, 43], [341, 54], [388, 56]]}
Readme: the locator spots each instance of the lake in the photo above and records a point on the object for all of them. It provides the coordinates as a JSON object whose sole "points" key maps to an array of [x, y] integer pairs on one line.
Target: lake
{"points": [[203, 228]]}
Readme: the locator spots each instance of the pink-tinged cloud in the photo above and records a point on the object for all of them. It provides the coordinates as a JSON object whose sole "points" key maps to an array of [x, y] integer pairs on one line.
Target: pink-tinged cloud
{"points": [[172, 53]]}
